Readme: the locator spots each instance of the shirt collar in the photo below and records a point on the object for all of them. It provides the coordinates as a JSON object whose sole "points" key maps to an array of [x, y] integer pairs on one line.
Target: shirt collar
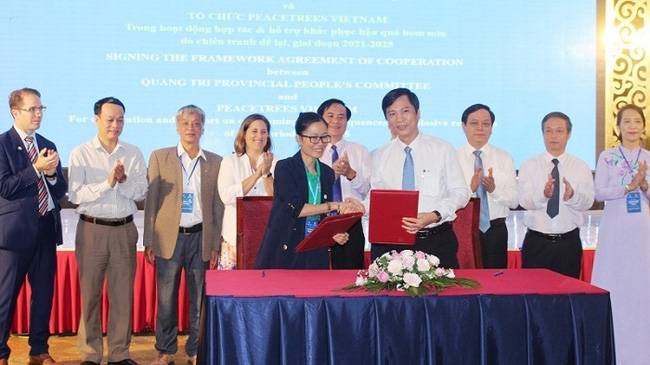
{"points": [[414, 143], [180, 151], [96, 144], [549, 158], [22, 133]]}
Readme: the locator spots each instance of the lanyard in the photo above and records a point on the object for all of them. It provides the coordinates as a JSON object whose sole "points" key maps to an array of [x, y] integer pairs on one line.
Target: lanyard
{"points": [[314, 190], [628, 164], [189, 176]]}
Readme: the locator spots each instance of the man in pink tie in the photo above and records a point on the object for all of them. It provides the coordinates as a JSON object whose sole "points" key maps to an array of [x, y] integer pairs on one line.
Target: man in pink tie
{"points": [[31, 183]]}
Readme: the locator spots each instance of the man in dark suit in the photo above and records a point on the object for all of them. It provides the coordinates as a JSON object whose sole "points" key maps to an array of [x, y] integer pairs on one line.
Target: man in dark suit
{"points": [[31, 183]]}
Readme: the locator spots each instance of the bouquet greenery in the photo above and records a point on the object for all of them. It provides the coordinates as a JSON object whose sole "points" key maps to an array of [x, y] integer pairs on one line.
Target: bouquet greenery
{"points": [[416, 273]]}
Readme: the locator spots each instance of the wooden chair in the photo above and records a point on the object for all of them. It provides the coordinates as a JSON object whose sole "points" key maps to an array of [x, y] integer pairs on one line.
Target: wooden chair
{"points": [[466, 229], [252, 218]]}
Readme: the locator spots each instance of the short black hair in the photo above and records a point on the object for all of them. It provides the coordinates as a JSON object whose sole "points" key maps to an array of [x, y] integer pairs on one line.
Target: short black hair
{"points": [[472, 109], [394, 94], [107, 100], [558, 115], [329, 102], [306, 119]]}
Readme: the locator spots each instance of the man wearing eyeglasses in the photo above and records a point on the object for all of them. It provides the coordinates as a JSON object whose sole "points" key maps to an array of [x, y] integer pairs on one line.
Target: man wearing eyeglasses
{"points": [[416, 161], [351, 164], [31, 183], [182, 228], [107, 176]]}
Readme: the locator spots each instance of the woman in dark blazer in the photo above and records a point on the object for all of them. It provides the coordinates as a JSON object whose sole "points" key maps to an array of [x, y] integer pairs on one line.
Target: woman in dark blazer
{"points": [[302, 197]]}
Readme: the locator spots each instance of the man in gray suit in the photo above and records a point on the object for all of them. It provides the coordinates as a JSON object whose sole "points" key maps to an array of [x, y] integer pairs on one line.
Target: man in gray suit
{"points": [[182, 228]]}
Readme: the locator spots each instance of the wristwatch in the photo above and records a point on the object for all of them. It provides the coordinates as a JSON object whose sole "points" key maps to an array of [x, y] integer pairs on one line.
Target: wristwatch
{"points": [[437, 213], [267, 175]]}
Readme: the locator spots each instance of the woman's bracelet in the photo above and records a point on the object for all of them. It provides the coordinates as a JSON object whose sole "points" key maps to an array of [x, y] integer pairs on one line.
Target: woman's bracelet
{"points": [[329, 207]]}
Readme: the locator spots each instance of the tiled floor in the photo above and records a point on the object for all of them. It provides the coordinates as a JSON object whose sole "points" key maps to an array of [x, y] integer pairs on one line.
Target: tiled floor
{"points": [[64, 349]]}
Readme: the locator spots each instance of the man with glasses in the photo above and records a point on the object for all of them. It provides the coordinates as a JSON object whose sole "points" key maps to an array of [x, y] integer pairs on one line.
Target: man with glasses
{"points": [[107, 176], [182, 228], [351, 164], [31, 183], [416, 161]]}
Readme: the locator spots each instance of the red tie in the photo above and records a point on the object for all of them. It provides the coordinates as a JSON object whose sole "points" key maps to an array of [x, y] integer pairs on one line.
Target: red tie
{"points": [[42, 191]]}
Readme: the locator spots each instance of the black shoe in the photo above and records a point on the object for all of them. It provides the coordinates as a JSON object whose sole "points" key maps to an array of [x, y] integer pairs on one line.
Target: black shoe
{"points": [[123, 362], [89, 363]]}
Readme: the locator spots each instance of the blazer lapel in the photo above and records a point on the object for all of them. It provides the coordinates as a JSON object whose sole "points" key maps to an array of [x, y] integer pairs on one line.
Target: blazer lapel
{"points": [[19, 147]]}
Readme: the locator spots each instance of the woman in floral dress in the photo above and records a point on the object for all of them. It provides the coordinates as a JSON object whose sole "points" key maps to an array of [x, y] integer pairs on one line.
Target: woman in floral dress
{"points": [[622, 262]]}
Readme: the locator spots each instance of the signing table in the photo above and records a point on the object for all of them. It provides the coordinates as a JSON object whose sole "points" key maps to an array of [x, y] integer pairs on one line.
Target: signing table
{"points": [[298, 317]]}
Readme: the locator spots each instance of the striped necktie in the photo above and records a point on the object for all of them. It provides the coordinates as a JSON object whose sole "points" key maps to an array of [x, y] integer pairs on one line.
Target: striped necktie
{"points": [[43, 197]]}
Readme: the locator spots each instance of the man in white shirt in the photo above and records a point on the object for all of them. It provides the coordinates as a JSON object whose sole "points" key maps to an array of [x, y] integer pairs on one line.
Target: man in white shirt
{"points": [[106, 177], [182, 228], [351, 163], [490, 175], [555, 188], [433, 170]]}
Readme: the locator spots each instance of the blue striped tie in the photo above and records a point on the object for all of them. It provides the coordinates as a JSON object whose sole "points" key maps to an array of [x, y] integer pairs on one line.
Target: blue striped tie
{"points": [[408, 174], [484, 217]]}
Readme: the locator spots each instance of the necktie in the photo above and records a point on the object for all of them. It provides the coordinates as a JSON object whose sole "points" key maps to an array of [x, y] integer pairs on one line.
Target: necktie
{"points": [[42, 191], [408, 174], [484, 217], [336, 190], [553, 207]]}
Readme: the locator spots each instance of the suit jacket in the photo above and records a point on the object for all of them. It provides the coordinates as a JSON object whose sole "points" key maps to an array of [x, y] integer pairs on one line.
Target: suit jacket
{"points": [[19, 193], [162, 212], [285, 230]]}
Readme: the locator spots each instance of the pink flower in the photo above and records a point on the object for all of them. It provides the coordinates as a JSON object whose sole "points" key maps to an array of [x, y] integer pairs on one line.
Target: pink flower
{"points": [[395, 266], [440, 271], [373, 269], [412, 279], [423, 265], [395, 255], [408, 261], [360, 281], [433, 260], [420, 255], [406, 253], [382, 276]]}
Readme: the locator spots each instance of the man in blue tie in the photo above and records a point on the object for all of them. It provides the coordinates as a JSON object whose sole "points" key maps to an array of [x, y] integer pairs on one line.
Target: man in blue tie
{"points": [[490, 175], [31, 184], [554, 188], [351, 163], [416, 161]]}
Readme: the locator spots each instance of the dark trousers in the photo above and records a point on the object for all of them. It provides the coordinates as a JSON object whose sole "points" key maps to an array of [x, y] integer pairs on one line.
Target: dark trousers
{"points": [[560, 253], [494, 247], [350, 255], [187, 256], [443, 245], [38, 263]]}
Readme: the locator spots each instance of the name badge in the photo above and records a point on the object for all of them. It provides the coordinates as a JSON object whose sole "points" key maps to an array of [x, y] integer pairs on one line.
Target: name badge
{"points": [[633, 202], [188, 203], [310, 225]]}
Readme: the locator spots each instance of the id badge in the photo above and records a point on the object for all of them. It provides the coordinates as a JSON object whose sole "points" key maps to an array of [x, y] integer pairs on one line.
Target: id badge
{"points": [[633, 202], [188, 203], [310, 225]]}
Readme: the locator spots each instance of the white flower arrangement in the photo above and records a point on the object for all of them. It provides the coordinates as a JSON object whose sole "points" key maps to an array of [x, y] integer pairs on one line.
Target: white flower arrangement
{"points": [[416, 273]]}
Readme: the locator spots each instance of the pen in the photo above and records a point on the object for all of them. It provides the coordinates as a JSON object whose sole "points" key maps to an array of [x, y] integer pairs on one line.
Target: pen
{"points": [[498, 273]]}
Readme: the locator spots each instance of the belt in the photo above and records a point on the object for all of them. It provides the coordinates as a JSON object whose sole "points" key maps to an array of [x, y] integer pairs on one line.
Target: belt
{"points": [[557, 236], [113, 222], [497, 222], [195, 228], [426, 232]]}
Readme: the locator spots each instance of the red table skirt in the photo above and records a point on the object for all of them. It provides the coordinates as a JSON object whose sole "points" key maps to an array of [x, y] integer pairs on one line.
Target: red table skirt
{"points": [[66, 308], [66, 305]]}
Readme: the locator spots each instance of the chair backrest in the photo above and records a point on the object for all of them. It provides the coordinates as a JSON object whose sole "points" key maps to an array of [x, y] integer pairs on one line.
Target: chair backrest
{"points": [[466, 229], [252, 219]]}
